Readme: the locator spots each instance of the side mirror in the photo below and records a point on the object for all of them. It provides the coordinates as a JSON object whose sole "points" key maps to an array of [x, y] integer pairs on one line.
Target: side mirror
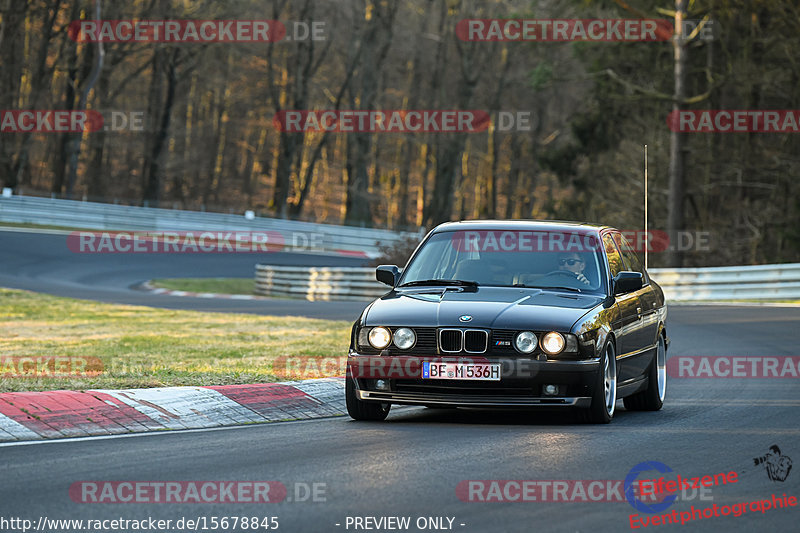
{"points": [[626, 282], [388, 274]]}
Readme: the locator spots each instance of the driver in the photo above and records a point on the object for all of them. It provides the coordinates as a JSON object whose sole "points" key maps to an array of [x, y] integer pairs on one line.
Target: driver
{"points": [[572, 262]]}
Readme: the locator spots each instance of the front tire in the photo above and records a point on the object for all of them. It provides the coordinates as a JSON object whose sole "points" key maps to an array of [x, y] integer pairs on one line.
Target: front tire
{"points": [[652, 398], [361, 410], [604, 395]]}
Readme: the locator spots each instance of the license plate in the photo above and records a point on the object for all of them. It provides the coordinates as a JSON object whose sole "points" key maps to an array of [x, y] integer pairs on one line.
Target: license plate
{"points": [[471, 371]]}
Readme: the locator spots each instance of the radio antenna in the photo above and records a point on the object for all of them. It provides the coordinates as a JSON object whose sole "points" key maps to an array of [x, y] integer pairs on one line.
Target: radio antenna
{"points": [[646, 235]]}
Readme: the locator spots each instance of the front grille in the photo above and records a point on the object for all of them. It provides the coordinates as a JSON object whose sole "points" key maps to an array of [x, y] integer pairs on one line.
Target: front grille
{"points": [[426, 342], [460, 340], [451, 340], [475, 341], [431, 342]]}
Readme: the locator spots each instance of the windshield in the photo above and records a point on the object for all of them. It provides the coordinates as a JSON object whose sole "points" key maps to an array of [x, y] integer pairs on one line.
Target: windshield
{"points": [[555, 260]]}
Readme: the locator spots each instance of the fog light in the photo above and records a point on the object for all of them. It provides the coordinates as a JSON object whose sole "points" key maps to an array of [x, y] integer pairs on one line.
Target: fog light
{"points": [[551, 390], [382, 384]]}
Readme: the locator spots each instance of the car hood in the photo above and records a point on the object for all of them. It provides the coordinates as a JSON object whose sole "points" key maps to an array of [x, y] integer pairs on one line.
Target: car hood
{"points": [[489, 307]]}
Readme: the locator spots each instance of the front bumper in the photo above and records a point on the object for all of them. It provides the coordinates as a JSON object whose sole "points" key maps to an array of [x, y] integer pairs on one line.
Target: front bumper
{"points": [[521, 384], [466, 400]]}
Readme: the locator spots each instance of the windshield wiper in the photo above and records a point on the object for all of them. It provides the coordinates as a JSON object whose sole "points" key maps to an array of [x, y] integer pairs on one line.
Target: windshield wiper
{"points": [[573, 289], [450, 282]]}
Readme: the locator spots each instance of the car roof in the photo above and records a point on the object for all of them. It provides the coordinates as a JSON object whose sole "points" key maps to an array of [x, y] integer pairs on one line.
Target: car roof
{"points": [[532, 225]]}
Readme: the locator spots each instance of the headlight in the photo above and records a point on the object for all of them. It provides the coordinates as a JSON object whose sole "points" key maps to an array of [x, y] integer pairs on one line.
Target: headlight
{"points": [[380, 337], [404, 338], [553, 343], [525, 342]]}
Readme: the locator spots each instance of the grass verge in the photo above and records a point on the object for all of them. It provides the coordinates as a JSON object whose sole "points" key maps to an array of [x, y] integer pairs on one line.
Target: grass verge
{"points": [[119, 346], [213, 285]]}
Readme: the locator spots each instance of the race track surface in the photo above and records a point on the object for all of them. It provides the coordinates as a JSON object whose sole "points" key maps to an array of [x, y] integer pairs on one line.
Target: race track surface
{"points": [[43, 263], [411, 464]]}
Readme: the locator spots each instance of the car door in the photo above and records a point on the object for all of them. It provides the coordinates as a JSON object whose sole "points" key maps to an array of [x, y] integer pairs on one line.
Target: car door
{"points": [[628, 320], [643, 334]]}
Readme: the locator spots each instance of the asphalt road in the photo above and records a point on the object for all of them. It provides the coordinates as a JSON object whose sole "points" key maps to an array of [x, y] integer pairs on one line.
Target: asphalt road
{"points": [[44, 263], [411, 464]]}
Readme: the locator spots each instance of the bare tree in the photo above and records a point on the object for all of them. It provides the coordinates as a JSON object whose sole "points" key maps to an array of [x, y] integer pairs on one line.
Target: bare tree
{"points": [[73, 145], [375, 37], [291, 93]]}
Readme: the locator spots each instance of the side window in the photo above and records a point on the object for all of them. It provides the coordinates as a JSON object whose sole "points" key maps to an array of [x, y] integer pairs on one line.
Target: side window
{"points": [[629, 255], [614, 259]]}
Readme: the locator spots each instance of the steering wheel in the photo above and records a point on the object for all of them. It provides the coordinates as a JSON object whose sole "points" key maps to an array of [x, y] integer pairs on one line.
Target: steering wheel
{"points": [[570, 275], [573, 276], [564, 273]]}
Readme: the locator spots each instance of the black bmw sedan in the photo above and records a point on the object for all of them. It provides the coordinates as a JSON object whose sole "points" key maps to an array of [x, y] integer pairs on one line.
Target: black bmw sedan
{"points": [[512, 314]]}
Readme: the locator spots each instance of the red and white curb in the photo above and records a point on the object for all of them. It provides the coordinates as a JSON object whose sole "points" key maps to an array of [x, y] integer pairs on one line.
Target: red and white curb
{"points": [[149, 287], [62, 414]]}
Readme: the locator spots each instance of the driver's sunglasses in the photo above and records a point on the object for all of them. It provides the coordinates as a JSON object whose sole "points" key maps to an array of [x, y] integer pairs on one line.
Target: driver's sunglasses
{"points": [[570, 262]]}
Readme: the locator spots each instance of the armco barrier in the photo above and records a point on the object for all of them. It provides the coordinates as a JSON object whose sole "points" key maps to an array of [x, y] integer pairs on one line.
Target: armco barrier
{"points": [[319, 283], [760, 282], [325, 238], [763, 282]]}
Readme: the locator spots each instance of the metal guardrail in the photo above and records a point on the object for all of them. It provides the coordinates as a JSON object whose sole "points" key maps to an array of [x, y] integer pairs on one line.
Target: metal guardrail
{"points": [[760, 282], [763, 282], [319, 283], [308, 236]]}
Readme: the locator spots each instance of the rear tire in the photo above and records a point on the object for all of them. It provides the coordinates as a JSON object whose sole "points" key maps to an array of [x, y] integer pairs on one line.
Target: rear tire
{"points": [[361, 410], [604, 395], [652, 398]]}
